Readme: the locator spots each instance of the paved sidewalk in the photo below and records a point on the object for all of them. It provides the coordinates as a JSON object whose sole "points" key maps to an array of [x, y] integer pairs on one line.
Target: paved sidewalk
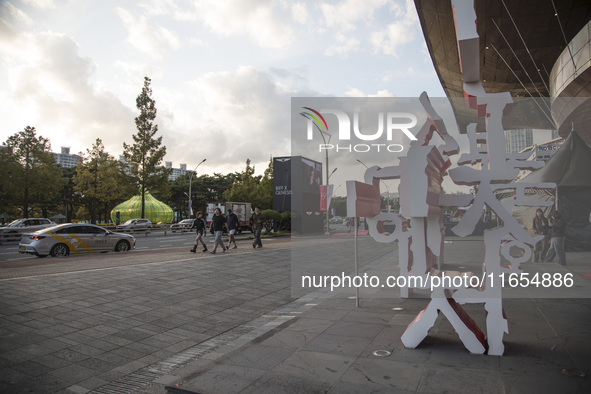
{"points": [[326, 344], [115, 323]]}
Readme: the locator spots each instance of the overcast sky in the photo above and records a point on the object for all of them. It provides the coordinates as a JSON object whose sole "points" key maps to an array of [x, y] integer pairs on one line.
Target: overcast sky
{"points": [[223, 72]]}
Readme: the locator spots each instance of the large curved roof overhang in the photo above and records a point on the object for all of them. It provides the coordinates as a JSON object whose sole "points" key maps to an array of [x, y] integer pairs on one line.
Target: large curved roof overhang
{"points": [[519, 43]]}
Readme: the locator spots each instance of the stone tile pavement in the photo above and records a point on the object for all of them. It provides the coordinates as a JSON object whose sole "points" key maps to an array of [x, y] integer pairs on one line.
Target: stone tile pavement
{"points": [[119, 322], [327, 345]]}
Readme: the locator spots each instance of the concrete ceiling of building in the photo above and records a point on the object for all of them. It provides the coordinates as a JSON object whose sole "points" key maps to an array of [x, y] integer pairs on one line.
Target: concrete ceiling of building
{"points": [[520, 41]]}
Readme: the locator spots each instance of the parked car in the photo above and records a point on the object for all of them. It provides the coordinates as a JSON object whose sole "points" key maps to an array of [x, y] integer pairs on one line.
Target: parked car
{"points": [[15, 229], [183, 225], [135, 225], [63, 239]]}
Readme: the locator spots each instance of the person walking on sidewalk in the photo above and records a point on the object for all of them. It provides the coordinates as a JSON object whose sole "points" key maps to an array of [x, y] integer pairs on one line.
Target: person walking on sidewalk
{"points": [[257, 226], [557, 238], [540, 227], [218, 222], [233, 224], [199, 225]]}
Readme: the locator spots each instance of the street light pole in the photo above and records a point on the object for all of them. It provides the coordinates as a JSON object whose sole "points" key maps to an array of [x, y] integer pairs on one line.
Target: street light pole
{"points": [[190, 180], [327, 207], [327, 176]]}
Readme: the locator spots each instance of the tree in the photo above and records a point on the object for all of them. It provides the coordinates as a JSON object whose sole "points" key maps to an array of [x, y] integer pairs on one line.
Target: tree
{"points": [[255, 189], [145, 155], [32, 177], [205, 189], [264, 191], [244, 187], [67, 195], [99, 180]]}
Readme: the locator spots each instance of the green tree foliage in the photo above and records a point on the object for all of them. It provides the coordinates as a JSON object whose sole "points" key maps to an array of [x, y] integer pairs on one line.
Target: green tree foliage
{"points": [[31, 178], [67, 196], [256, 189], [204, 189], [264, 192], [340, 206], [145, 155], [100, 181]]}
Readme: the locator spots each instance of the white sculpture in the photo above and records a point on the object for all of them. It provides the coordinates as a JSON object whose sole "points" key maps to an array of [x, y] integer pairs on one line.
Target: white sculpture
{"points": [[419, 227]]}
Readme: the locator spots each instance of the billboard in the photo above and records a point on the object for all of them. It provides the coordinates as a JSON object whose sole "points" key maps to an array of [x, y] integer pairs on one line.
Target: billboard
{"points": [[282, 184], [296, 188]]}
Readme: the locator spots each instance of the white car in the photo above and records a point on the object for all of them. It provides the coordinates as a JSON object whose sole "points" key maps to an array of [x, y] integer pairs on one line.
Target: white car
{"points": [[183, 225], [16, 228], [75, 238], [135, 225]]}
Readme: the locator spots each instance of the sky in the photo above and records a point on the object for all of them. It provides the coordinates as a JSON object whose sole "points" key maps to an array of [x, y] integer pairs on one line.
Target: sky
{"points": [[223, 72]]}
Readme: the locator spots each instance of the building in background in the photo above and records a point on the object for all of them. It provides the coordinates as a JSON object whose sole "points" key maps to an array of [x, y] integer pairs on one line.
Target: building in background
{"points": [[65, 159], [176, 172], [518, 140]]}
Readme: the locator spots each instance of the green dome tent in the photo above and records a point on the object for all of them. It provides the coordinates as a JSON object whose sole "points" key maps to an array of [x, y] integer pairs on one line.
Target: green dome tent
{"points": [[155, 211]]}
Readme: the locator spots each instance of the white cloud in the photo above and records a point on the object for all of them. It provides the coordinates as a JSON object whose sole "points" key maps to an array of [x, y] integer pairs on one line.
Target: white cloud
{"points": [[149, 38], [51, 89], [40, 3], [346, 14], [343, 46], [260, 20], [10, 16], [299, 12], [231, 116], [354, 92], [401, 31], [196, 42], [133, 69]]}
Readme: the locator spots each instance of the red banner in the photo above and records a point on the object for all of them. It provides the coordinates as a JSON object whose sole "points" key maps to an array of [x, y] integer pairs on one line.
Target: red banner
{"points": [[323, 198]]}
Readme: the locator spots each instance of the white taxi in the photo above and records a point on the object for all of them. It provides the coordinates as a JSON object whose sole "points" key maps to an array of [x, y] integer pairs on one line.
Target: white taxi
{"points": [[74, 238]]}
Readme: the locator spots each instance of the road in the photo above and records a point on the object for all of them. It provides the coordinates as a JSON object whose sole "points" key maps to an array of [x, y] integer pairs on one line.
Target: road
{"points": [[153, 241], [156, 240]]}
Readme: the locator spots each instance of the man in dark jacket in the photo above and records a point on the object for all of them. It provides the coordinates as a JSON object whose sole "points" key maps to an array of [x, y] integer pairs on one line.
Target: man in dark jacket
{"points": [[558, 236], [199, 226], [257, 226]]}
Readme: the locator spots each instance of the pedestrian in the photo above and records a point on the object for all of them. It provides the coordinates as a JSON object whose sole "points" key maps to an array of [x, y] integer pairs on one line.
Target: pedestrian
{"points": [[218, 222], [199, 225], [349, 225], [540, 227], [257, 226], [233, 224], [557, 238]]}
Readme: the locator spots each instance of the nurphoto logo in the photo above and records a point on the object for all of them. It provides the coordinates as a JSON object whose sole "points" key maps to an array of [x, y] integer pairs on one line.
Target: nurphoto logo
{"points": [[395, 122]]}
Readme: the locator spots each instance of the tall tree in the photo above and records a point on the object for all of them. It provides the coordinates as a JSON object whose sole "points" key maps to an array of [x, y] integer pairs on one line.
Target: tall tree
{"points": [[145, 155], [255, 189], [68, 195], [99, 180], [33, 177], [264, 192], [244, 187]]}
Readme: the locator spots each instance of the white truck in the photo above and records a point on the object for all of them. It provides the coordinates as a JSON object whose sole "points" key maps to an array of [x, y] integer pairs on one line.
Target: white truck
{"points": [[242, 209]]}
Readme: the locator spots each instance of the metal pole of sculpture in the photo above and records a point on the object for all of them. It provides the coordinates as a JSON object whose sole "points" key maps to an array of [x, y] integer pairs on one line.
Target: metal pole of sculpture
{"points": [[356, 262]]}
